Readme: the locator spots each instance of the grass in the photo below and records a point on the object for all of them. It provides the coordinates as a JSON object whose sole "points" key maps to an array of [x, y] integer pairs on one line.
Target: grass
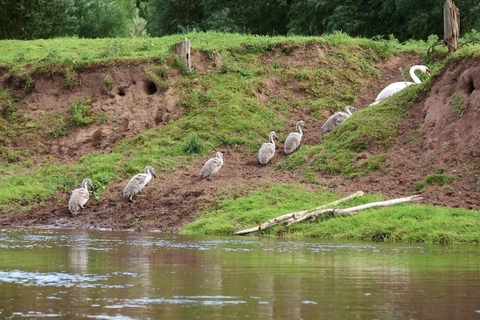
{"points": [[231, 105], [400, 223]]}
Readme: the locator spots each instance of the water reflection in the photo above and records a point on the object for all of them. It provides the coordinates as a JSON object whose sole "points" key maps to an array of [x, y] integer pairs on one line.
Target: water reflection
{"points": [[115, 275]]}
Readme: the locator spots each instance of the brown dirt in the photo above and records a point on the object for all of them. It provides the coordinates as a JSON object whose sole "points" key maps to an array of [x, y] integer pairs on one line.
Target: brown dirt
{"points": [[433, 139]]}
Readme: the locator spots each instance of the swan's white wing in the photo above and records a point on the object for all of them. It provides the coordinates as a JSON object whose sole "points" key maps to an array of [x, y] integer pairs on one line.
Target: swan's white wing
{"points": [[77, 199], [292, 142], [211, 167], [266, 152], [391, 89], [136, 184]]}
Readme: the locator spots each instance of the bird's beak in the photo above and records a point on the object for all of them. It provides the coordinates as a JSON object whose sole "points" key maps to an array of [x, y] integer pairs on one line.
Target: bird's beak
{"points": [[428, 72]]}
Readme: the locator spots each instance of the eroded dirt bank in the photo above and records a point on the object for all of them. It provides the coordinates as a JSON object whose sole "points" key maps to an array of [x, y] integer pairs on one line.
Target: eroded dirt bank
{"points": [[440, 135]]}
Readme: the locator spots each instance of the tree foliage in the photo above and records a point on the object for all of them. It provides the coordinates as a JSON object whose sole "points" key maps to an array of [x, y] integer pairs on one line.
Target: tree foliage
{"points": [[402, 19], [30, 19], [33, 19]]}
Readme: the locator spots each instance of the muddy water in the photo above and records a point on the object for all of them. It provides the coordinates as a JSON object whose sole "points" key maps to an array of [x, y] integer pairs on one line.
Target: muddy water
{"points": [[113, 275]]}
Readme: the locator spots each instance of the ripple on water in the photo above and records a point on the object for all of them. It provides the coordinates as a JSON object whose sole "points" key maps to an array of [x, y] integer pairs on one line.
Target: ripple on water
{"points": [[60, 279]]}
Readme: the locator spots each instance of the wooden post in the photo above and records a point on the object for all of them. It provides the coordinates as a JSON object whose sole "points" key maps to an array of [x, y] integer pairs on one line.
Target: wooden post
{"points": [[451, 25], [183, 49]]}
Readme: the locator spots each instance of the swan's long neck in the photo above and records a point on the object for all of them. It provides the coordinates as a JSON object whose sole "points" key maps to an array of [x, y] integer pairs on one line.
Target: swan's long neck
{"points": [[149, 171], [271, 138], [413, 75], [85, 184], [299, 128]]}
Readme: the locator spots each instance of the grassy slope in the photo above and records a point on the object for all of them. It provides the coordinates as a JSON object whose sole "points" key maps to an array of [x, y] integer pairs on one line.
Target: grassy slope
{"points": [[226, 100]]}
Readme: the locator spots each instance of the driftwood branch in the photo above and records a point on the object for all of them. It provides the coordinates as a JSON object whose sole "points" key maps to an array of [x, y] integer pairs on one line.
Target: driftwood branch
{"points": [[295, 217], [353, 210]]}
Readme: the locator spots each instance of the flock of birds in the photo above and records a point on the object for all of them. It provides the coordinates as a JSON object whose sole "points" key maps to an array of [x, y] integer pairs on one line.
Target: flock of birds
{"points": [[80, 196]]}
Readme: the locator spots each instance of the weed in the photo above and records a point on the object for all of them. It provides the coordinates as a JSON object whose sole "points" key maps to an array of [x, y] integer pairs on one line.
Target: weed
{"points": [[10, 111], [30, 83], [137, 223], [108, 81], [57, 126], [9, 155], [69, 79], [436, 178], [458, 105], [100, 185], [82, 114], [181, 65], [193, 145]]}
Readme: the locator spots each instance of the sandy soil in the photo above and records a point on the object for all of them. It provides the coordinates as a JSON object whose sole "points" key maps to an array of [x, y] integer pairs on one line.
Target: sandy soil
{"points": [[442, 142]]}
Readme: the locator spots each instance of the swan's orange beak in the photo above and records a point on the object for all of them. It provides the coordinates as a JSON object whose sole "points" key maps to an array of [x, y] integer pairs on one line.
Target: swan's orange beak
{"points": [[428, 72]]}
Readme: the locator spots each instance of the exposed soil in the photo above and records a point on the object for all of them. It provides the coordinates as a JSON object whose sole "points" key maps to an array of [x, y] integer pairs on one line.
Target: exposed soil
{"points": [[434, 138]]}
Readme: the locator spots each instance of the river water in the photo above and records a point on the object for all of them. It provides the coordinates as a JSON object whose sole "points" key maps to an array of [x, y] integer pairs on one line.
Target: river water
{"points": [[68, 274]]}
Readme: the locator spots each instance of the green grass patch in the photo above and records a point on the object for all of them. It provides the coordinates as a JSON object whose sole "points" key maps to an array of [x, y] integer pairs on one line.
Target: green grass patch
{"points": [[439, 179], [399, 223]]}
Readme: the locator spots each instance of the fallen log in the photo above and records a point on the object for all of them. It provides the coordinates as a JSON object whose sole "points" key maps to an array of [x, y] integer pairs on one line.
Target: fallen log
{"points": [[295, 217], [353, 210]]}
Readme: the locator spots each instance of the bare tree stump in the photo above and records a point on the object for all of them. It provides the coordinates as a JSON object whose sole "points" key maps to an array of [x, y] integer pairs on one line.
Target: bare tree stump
{"points": [[451, 25], [183, 50]]}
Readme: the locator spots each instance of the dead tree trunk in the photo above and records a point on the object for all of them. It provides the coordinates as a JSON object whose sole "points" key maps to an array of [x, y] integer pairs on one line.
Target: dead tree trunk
{"points": [[451, 25], [183, 50]]}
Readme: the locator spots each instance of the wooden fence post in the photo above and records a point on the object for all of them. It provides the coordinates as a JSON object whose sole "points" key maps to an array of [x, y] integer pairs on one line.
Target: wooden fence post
{"points": [[183, 49], [451, 25]]}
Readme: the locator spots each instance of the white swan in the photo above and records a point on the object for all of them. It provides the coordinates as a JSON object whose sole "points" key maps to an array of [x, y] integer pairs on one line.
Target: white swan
{"points": [[79, 197], [138, 182], [211, 166], [337, 119], [395, 87], [294, 138], [267, 150]]}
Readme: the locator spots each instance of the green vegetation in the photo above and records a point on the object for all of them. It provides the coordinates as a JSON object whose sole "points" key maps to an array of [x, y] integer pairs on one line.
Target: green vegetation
{"points": [[458, 105], [82, 114], [399, 223], [222, 108], [108, 81], [126, 18], [437, 178]]}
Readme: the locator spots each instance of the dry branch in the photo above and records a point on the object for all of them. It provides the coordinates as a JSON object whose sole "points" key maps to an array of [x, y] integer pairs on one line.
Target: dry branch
{"points": [[353, 210], [295, 217]]}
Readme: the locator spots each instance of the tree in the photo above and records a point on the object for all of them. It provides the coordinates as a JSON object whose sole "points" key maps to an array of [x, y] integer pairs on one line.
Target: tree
{"points": [[32, 19], [247, 16], [100, 19]]}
